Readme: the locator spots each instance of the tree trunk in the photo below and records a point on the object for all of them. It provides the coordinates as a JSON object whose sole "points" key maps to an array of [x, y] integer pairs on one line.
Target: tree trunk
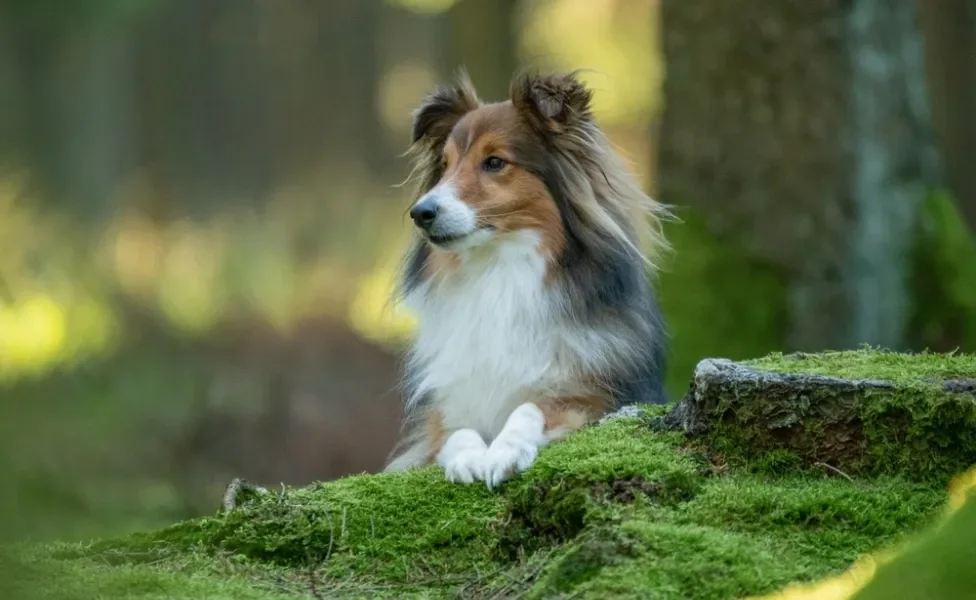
{"points": [[91, 104], [352, 58], [481, 37], [72, 110], [801, 130], [950, 46], [895, 164]]}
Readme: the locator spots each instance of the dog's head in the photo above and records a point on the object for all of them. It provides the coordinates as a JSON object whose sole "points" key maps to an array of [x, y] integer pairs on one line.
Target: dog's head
{"points": [[490, 168]]}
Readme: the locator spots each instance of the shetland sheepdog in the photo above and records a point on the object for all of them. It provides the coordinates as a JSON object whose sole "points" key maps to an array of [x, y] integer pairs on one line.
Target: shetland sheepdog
{"points": [[529, 277]]}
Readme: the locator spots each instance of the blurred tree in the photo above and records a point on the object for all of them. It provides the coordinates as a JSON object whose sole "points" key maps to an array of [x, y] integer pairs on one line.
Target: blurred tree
{"points": [[54, 14], [351, 56], [950, 46], [481, 36], [68, 77], [801, 130], [217, 101]]}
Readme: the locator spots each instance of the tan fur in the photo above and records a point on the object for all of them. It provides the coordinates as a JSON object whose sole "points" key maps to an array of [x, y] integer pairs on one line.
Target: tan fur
{"points": [[604, 186], [511, 199], [435, 435], [569, 414]]}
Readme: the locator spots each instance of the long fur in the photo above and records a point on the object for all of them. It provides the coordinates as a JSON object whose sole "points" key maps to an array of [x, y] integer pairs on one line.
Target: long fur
{"points": [[512, 327]]}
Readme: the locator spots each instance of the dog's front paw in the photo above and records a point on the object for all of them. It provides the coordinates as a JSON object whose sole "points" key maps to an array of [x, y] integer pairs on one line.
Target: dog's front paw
{"points": [[465, 467], [505, 457], [463, 456]]}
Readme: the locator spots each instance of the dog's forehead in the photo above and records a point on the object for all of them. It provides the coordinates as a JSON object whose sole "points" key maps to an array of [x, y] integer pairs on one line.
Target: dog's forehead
{"points": [[495, 118]]}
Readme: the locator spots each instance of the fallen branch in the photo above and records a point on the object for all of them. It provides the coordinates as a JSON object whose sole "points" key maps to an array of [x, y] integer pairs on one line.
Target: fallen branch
{"points": [[237, 491]]}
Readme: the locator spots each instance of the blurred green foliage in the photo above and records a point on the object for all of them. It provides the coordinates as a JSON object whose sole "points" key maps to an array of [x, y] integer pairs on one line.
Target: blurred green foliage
{"points": [[718, 300], [940, 564], [944, 277], [74, 13]]}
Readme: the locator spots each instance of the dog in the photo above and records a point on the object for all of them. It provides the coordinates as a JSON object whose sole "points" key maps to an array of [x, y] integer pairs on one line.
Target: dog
{"points": [[530, 276]]}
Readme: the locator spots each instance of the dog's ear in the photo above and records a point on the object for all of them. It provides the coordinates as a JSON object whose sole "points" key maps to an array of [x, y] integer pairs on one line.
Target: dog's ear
{"points": [[441, 110], [552, 103]]}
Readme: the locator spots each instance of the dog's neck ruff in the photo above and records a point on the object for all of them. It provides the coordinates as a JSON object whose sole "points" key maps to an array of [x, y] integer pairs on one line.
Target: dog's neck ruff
{"points": [[490, 338]]}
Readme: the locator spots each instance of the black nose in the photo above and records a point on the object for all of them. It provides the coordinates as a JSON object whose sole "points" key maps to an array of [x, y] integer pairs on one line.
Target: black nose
{"points": [[423, 213]]}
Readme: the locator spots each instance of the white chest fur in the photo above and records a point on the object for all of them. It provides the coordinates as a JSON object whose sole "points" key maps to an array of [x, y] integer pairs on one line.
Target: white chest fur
{"points": [[488, 338]]}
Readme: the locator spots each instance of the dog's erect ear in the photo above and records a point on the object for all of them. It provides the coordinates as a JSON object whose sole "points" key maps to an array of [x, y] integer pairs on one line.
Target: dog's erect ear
{"points": [[552, 103], [441, 110]]}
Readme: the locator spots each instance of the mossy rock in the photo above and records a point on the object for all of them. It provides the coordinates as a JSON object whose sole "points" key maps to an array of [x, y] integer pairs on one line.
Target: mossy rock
{"points": [[620, 509], [861, 412]]}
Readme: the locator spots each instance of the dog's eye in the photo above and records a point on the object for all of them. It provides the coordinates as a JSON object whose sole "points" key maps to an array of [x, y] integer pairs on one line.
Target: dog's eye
{"points": [[493, 164]]}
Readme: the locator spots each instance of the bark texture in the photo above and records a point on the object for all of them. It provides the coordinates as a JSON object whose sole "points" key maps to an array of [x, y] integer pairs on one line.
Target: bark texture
{"points": [[801, 130]]}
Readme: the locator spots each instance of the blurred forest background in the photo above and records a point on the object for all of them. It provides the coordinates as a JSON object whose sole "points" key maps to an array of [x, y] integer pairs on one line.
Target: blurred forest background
{"points": [[200, 218]]}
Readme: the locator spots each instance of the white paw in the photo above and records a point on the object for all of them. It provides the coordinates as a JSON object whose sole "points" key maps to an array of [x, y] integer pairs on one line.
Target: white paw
{"points": [[463, 456], [505, 457], [465, 467]]}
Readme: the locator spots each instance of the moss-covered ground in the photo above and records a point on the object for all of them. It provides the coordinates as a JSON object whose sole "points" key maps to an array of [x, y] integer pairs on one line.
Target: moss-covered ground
{"points": [[918, 370], [940, 563], [612, 510], [619, 510]]}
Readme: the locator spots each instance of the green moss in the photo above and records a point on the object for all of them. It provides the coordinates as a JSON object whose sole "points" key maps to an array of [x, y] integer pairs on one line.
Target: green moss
{"points": [[837, 514], [381, 525], [570, 484], [693, 561], [708, 275], [739, 536], [776, 462], [893, 415], [40, 572], [613, 511], [940, 564], [906, 369], [583, 561]]}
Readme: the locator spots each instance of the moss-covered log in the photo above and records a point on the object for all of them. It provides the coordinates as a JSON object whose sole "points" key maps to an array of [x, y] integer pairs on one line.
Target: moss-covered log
{"points": [[860, 412], [620, 509], [617, 510]]}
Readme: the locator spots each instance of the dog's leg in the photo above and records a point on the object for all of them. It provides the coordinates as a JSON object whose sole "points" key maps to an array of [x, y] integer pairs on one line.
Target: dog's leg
{"points": [[529, 428], [517, 444]]}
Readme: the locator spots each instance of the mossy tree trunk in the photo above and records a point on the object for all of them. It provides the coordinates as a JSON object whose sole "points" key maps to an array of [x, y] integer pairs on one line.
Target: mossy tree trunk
{"points": [[801, 130]]}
